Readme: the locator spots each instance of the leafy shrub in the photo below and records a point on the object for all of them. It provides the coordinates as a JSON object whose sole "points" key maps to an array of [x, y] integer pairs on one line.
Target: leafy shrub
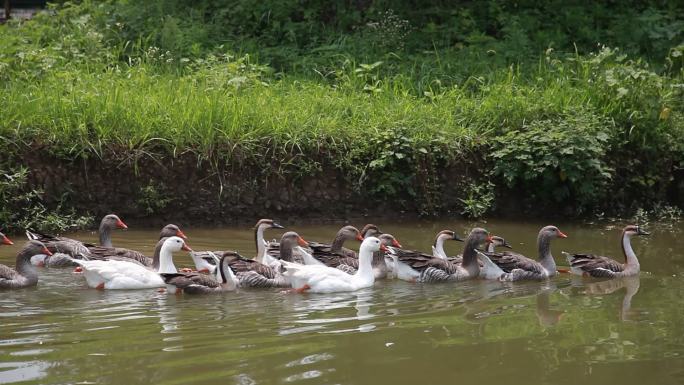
{"points": [[479, 198], [23, 207], [556, 159]]}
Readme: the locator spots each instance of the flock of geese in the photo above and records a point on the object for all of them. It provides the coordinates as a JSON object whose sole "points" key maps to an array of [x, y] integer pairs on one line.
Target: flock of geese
{"points": [[299, 265]]}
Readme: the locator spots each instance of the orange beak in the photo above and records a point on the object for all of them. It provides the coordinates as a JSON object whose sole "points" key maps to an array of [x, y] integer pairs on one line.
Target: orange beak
{"points": [[181, 234], [395, 243], [6, 241], [121, 225], [359, 237], [302, 242], [561, 234], [383, 248], [46, 251], [186, 247]]}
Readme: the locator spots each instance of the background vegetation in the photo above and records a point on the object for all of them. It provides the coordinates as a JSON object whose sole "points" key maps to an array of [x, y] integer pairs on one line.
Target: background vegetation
{"points": [[554, 104]]}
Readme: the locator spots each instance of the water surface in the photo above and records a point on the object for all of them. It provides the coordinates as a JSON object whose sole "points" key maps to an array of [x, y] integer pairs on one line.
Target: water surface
{"points": [[562, 331]]}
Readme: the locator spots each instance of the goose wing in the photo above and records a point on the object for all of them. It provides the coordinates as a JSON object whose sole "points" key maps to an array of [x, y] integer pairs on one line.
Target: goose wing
{"points": [[508, 261], [118, 253], [595, 265], [420, 261]]}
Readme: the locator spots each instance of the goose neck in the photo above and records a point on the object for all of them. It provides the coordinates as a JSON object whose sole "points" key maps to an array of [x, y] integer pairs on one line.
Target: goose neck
{"points": [[259, 239], [627, 251], [365, 270], [25, 268], [286, 251], [337, 243], [166, 260], [439, 246], [105, 232], [544, 248], [225, 275], [156, 255], [378, 259], [470, 262]]}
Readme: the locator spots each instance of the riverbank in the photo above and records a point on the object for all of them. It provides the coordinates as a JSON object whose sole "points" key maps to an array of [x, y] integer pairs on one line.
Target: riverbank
{"points": [[101, 121]]}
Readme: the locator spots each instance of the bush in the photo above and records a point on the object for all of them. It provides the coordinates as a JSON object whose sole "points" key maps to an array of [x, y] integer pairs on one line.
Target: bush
{"points": [[23, 207], [557, 159]]}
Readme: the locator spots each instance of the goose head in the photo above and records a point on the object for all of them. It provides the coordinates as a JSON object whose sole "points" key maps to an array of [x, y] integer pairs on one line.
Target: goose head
{"points": [[290, 239], [349, 233], [267, 224], [633, 230], [175, 244], [389, 240], [478, 237], [112, 221], [551, 232], [4, 240], [172, 230], [499, 242], [34, 247], [370, 230], [447, 235], [372, 244]]}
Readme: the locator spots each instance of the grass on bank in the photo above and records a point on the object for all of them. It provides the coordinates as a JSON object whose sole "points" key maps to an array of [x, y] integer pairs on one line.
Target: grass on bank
{"points": [[559, 127]]}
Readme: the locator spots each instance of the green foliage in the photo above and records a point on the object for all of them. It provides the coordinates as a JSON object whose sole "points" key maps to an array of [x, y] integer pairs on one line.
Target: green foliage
{"points": [[557, 159], [23, 207], [390, 94], [479, 199], [153, 199]]}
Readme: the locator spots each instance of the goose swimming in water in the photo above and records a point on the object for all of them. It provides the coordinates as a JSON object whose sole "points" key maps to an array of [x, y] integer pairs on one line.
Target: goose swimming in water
{"points": [[324, 279], [122, 274], [604, 267], [517, 267], [24, 274]]}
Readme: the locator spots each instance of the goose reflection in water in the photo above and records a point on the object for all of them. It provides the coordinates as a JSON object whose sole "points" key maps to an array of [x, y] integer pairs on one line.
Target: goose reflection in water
{"points": [[631, 285]]}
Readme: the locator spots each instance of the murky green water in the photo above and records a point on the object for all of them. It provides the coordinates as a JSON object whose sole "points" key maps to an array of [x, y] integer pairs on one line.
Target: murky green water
{"points": [[565, 331]]}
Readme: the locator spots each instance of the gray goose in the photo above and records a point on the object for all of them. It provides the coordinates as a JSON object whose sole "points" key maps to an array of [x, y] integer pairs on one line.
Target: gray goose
{"points": [[370, 230], [252, 273], [64, 249], [517, 267], [120, 253], [24, 274], [604, 267], [491, 245], [321, 250], [197, 283], [205, 262], [415, 266]]}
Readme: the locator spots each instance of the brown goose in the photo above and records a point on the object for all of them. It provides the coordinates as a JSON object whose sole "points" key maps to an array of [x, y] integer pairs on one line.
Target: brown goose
{"points": [[120, 253], [604, 267], [24, 274], [516, 267], [415, 266], [198, 283], [4, 240]]}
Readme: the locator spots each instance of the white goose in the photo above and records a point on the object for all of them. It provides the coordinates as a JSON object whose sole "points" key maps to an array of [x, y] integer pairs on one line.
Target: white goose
{"points": [[119, 274], [324, 279]]}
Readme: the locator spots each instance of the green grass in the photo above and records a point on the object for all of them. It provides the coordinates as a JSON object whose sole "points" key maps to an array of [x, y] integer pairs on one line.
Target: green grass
{"points": [[70, 82]]}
